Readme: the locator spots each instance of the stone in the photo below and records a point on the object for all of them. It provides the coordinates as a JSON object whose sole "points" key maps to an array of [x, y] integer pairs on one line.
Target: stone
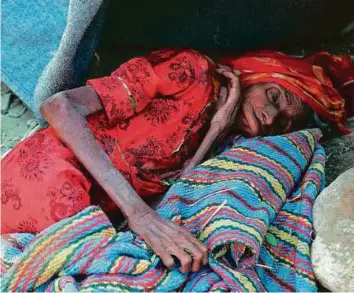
{"points": [[17, 109], [6, 100], [4, 89], [340, 153], [332, 252]]}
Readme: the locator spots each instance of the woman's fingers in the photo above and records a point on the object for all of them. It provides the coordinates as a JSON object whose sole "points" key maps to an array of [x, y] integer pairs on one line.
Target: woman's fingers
{"points": [[223, 93], [157, 246], [220, 66], [227, 110], [183, 256], [169, 240], [234, 84], [197, 256], [167, 249], [201, 247], [198, 252], [234, 92], [187, 242]]}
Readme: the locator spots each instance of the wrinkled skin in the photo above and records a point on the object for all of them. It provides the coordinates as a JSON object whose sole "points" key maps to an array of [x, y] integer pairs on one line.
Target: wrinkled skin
{"points": [[227, 107], [166, 238], [257, 113], [269, 109], [263, 109]]}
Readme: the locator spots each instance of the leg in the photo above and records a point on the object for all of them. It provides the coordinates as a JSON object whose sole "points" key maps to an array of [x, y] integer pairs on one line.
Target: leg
{"points": [[41, 184]]}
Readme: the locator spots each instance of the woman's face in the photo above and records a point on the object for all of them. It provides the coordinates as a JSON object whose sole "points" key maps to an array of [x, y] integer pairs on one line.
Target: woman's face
{"points": [[269, 109]]}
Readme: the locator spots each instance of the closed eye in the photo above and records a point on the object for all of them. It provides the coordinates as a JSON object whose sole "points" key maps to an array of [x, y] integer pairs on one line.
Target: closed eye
{"points": [[273, 95], [289, 97]]}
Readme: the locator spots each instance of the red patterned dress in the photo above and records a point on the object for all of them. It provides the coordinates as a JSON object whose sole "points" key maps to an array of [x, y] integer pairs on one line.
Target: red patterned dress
{"points": [[154, 118]]}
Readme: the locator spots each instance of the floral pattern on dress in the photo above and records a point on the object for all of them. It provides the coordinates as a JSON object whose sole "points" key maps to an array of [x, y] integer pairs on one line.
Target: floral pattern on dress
{"points": [[109, 143], [155, 138], [65, 200], [118, 111], [109, 83], [160, 111], [10, 193], [135, 75], [181, 71], [28, 226], [204, 77], [188, 119], [34, 158], [124, 124], [151, 148]]}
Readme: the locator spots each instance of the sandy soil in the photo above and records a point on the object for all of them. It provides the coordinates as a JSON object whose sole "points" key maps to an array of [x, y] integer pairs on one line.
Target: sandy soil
{"points": [[340, 154], [13, 129]]}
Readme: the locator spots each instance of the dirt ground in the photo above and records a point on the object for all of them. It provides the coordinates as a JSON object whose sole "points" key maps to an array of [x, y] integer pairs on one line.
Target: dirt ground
{"points": [[340, 154], [16, 121]]}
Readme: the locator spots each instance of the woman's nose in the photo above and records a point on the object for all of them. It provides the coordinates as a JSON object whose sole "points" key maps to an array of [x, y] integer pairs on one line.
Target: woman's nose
{"points": [[271, 114]]}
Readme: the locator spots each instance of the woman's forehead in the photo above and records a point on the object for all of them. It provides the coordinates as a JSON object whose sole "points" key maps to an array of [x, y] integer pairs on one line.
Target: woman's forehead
{"points": [[292, 105]]}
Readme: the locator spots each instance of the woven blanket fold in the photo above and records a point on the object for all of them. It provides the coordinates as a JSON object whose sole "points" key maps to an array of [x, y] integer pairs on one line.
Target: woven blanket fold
{"points": [[259, 239]]}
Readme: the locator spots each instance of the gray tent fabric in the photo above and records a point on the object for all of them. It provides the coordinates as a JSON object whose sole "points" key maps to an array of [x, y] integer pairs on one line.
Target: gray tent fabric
{"points": [[47, 46], [31, 32], [69, 66]]}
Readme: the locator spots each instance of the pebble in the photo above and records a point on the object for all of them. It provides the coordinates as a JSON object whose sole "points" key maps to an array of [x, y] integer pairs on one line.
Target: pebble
{"points": [[31, 122], [6, 100]]}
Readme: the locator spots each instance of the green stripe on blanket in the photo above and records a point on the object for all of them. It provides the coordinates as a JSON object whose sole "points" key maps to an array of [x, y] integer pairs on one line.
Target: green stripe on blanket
{"points": [[269, 185]]}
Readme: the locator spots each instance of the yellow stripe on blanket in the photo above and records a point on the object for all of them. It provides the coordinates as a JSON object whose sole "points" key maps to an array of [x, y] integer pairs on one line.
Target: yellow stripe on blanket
{"points": [[303, 247], [224, 222], [273, 181]]}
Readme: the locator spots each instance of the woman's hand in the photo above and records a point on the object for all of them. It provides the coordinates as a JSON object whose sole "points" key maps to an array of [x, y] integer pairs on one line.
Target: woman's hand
{"points": [[229, 101], [227, 106], [169, 240], [67, 116]]}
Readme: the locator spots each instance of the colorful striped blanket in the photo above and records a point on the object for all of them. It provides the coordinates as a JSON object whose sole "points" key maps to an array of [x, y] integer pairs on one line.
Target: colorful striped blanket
{"points": [[259, 240]]}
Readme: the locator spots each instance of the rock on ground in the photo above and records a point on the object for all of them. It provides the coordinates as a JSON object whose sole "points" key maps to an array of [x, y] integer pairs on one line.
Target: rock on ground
{"points": [[340, 154], [16, 121], [333, 248]]}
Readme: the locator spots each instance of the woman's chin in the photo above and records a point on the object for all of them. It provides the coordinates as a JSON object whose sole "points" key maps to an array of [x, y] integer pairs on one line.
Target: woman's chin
{"points": [[245, 131], [248, 125], [248, 134]]}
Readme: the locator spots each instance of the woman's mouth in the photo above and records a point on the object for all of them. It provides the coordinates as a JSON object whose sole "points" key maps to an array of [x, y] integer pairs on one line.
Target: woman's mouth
{"points": [[257, 118], [249, 123]]}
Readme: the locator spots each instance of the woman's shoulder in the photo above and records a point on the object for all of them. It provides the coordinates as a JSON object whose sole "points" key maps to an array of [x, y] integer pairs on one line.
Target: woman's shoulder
{"points": [[180, 57]]}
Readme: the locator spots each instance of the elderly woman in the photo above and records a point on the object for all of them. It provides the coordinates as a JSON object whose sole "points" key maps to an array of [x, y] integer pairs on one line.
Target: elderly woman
{"points": [[129, 135]]}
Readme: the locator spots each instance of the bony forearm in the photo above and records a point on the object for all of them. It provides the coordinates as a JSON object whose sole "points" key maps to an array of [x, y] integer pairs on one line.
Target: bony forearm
{"points": [[204, 148], [54, 106], [71, 127], [166, 238], [121, 192]]}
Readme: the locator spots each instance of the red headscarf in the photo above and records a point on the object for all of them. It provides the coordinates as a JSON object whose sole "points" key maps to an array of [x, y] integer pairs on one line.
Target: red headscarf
{"points": [[324, 82]]}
